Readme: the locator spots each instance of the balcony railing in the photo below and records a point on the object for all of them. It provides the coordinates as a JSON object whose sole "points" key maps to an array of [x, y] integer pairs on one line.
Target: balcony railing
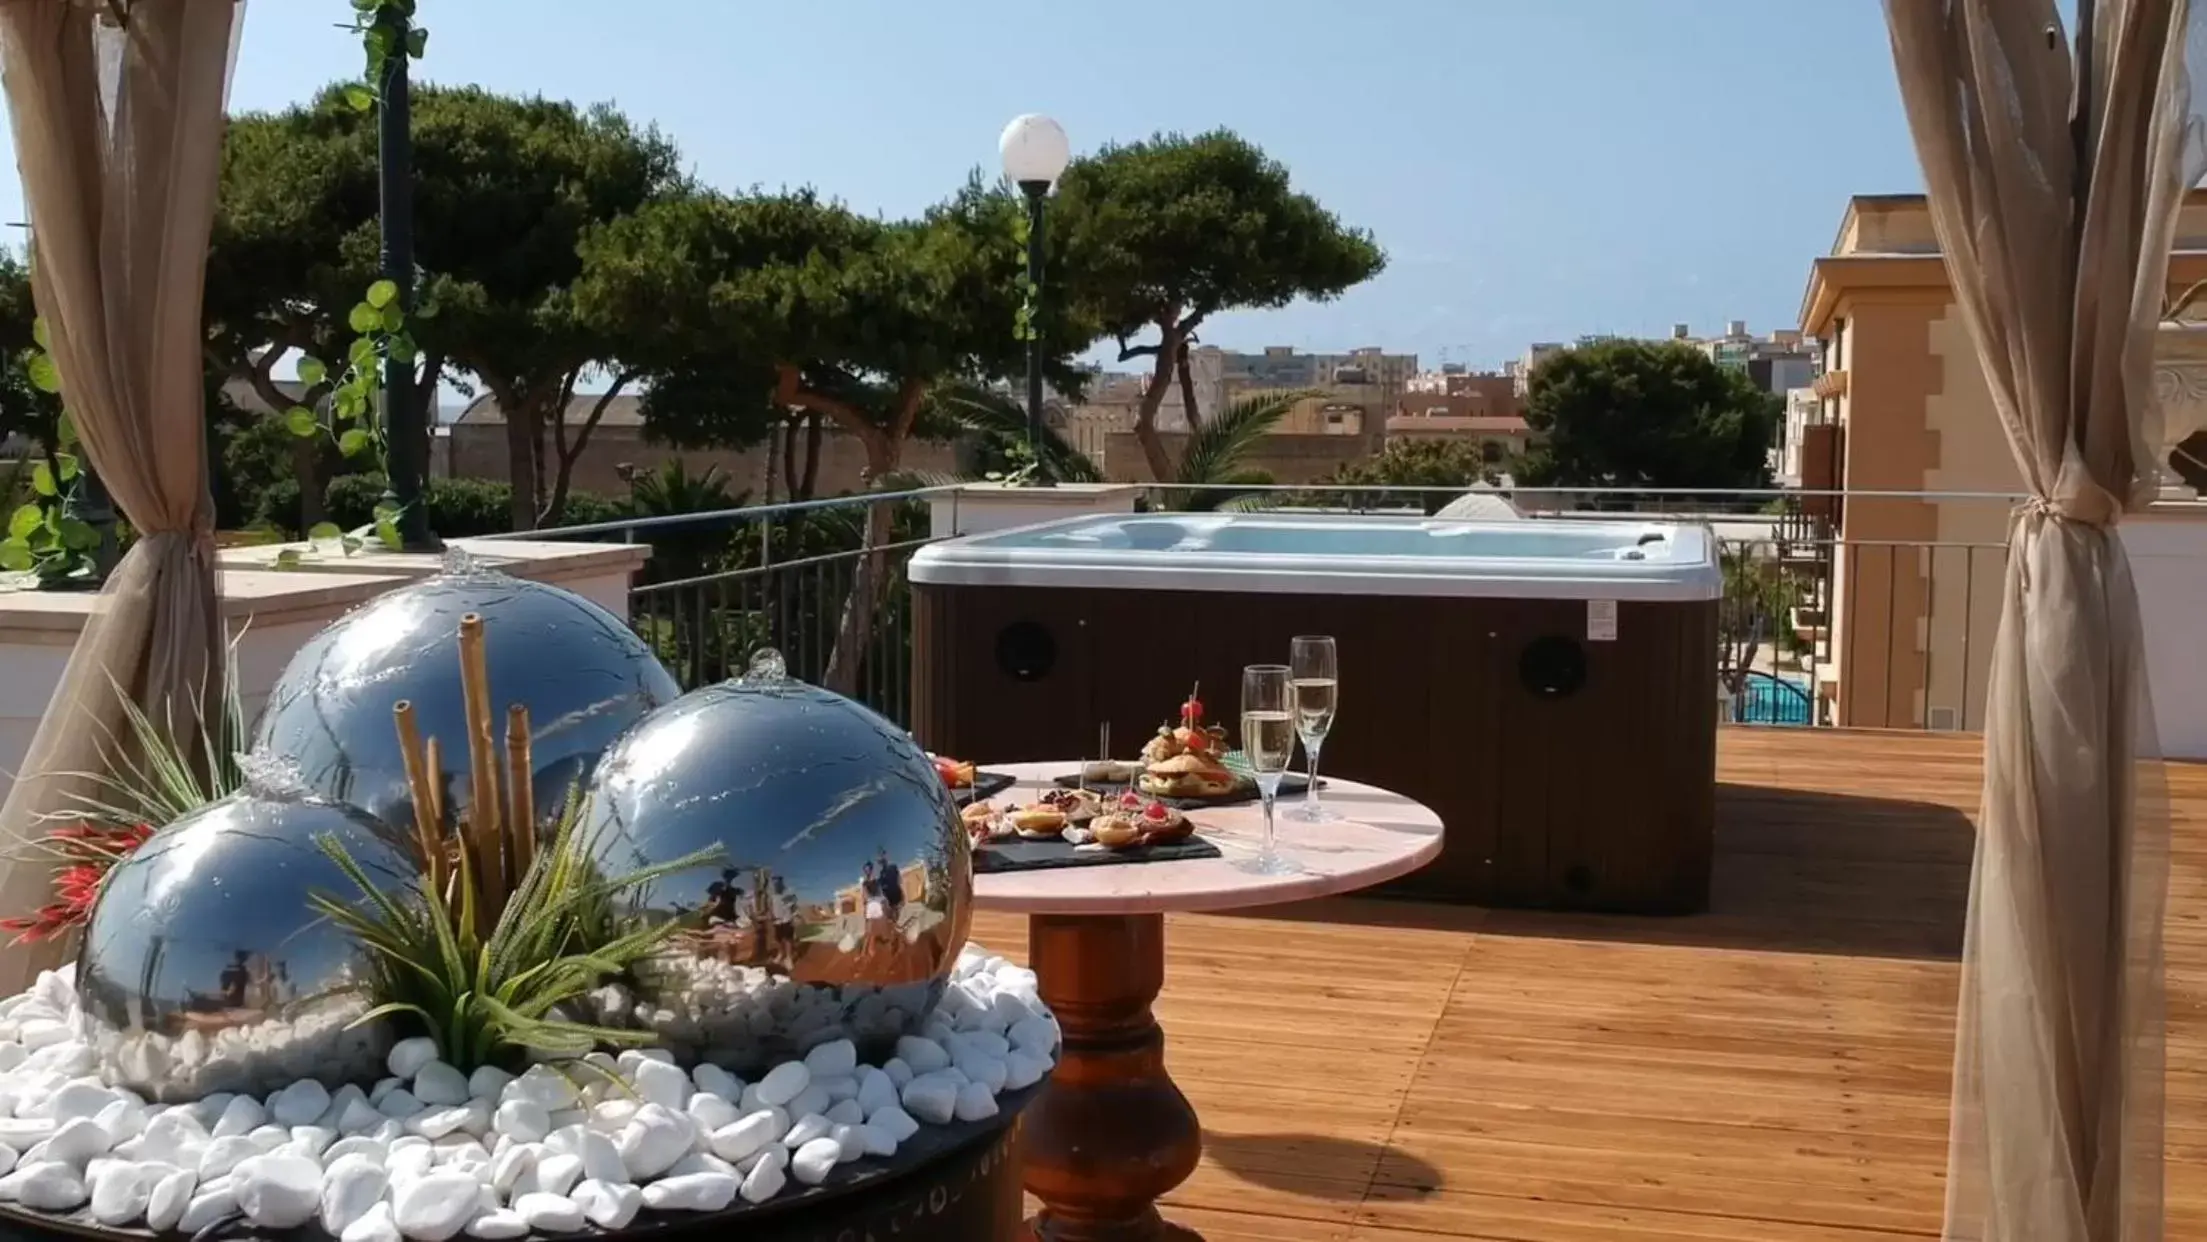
{"points": [[1821, 624]]}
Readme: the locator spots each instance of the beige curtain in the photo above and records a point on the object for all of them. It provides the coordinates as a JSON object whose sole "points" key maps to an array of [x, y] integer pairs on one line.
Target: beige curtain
{"points": [[2057, 1108], [117, 109]]}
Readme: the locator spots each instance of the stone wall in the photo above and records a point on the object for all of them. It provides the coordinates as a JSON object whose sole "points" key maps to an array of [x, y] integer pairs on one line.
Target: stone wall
{"points": [[1287, 458], [478, 450]]}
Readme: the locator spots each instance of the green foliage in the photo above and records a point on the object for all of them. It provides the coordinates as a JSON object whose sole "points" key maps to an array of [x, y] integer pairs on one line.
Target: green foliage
{"points": [[1001, 424], [44, 534], [1455, 466], [386, 29], [27, 409], [150, 777], [1166, 232], [1757, 608], [493, 998], [1214, 454], [1646, 414], [457, 507]]}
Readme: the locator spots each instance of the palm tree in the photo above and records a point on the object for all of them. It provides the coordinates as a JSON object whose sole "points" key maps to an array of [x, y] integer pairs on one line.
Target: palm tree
{"points": [[1212, 458], [1002, 425]]}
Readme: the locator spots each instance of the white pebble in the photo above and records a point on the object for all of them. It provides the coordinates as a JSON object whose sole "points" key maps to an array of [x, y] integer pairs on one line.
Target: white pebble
{"points": [[692, 1192], [765, 1180], [975, 1102], [171, 1195], [357, 1145], [438, 1083], [740, 1140], [379, 1225], [720, 1082], [508, 1166], [662, 1084], [543, 1086], [488, 1082], [435, 1123], [601, 1158], [409, 1055], [241, 1116], [894, 1121], [653, 1141], [711, 1112], [211, 1204], [784, 1083], [223, 1155], [409, 1162], [876, 1091], [435, 1206], [350, 1186], [278, 1192], [269, 1138], [300, 1104], [120, 1193], [879, 1141], [847, 1113], [1035, 1035], [850, 1140], [899, 1071], [807, 1128], [550, 1213], [398, 1104], [21, 1133], [359, 1117], [79, 1099], [833, 1059], [608, 1205], [557, 1173], [78, 1141], [525, 1121], [813, 1099], [923, 1055], [499, 1223], [932, 1100], [812, 1163]]}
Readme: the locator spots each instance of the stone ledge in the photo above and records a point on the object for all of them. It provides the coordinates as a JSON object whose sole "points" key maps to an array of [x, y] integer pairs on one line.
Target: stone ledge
{"points": [[266, 596], [544, 560]]}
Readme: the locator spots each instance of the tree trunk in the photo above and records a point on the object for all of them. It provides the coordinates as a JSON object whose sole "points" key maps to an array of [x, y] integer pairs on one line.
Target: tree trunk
{"points": [[812, 458], [524, 444], [568, 452], [854, 633], [1162, 468], [306, 466], [1187, 387]]}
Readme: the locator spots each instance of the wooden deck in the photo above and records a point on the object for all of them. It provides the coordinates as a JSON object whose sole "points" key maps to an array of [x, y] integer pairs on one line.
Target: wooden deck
{"points": [[1775, 1071]]}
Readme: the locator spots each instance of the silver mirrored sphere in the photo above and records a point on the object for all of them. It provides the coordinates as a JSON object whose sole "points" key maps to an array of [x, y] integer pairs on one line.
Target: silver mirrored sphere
{"points": [[204, 968], [583, 675], [842, 891]]}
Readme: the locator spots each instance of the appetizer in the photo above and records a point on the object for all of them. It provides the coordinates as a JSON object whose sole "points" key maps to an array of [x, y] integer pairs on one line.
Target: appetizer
{"points": [[955, 773], [1110, 772], [1135, 821], [1079, 805], [1039, 822], [1184, 760]]}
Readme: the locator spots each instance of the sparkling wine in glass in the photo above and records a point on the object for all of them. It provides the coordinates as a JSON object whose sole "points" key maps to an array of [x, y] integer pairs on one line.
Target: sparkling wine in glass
{"points": [[1268, 740], [1316, 683]]}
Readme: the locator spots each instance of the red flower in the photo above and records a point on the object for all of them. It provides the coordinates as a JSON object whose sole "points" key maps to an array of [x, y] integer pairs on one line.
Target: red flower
{"points": [[88, 852]]}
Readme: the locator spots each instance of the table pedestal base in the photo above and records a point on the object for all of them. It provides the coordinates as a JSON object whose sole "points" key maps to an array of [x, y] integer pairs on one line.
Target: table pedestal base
{"points": [[1110, 1133]]}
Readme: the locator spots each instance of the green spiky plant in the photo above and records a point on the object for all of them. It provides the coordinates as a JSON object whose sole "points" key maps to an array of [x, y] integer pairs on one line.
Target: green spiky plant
{"points": [[151, 776], [496, 939], [1211, 461]]}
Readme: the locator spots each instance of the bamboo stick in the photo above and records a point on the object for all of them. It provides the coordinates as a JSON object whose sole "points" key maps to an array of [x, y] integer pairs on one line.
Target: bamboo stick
{"points": [[484, 832], [422, 779], [521, 793]]}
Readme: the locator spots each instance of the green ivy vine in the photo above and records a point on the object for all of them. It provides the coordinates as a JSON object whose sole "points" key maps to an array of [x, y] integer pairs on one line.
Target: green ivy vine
{"points": [[1023, 319], [386, 28], [351, 413], [45, 536]]}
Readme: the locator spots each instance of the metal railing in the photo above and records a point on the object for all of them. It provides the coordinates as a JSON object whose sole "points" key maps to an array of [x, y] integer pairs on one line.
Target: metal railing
{"points": [[1819, 624]]}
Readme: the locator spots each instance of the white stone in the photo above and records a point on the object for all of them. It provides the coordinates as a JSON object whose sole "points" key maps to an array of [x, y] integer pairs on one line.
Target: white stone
{"points": [[398, 1104], [21, 1133], [805, 1129], [435, 1123], [608, 1205], [662, 1084], [379, 1225], [764, 1181], [749, 1101], [702, 1162], [77, 1141], [720, 1082], [438, 1083], [508, 1166], [170, 1196], [79, 1099], [358, 1117], [408, 1056], [785, 1082], [356, 1145], [932, 1100], [299, 1104], [1035, 1035], [488, 1082], [975, 1102], [711, 1112], [693, 1192], [242, 1115], [120, 1193], [610, 1115], [850, 1140], [654, 1140], [42, 1033], [813, 1099], [842, 1087], [984, 1069], [1023, 1070], [526, 1121], [435, 1206], [557, 1173], [740, 1140], [350, 1186], [223, 1155], [985, 1043], [543, 1086], [601, 1158], [878, 1140], [549, 1212], [923, 1055], [899, 1071], [876, 1091], [498, 1223], [169, 1135], [269, 1138], [833, 1059], [211, 1204], [895, 1121], [278, 1192], [313, 1140], [812, 1162]]}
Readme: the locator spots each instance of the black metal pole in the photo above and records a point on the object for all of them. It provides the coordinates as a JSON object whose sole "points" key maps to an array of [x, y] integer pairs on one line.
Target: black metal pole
{"points": [[1036, 191], [405, 430]]}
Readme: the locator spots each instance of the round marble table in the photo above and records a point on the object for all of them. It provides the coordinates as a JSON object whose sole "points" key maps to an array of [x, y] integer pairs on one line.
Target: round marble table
{"points": [[1111, 1133]]}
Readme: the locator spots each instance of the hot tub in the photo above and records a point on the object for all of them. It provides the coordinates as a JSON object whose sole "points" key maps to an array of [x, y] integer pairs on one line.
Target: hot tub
{"points": [[1548, 687]]}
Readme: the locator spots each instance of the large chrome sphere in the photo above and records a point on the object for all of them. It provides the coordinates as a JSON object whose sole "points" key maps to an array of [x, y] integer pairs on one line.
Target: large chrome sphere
{"points": [[205, 968], [583, 675], [841, 894]]}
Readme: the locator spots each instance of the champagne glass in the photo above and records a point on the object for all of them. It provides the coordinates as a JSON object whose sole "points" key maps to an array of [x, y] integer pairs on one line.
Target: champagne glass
{"points": [[1315, 682], [1268, 739]]}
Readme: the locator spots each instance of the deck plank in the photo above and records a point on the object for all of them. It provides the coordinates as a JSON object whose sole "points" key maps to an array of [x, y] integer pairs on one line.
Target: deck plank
{"points": [[1383, 1071]]}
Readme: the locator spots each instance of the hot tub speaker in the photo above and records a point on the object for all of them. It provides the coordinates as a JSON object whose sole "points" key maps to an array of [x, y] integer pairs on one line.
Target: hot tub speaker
{"points": [[1026, 651], [1552, 667]]}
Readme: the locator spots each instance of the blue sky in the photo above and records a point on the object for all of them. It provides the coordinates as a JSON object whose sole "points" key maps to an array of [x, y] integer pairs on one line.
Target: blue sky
{"points": [[1536, 169]]}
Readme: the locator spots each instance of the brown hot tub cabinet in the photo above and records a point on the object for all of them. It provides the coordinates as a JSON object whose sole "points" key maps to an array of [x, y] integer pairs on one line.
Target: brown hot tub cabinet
{"points": [[1549, 688]]}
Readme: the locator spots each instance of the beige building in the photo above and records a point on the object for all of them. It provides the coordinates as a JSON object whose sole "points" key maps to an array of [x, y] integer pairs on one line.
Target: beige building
{"points": [[1902, 406]]}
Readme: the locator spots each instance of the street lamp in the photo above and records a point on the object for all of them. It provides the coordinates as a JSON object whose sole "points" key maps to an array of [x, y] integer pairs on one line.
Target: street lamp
{"points": [[1035, 153]]}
